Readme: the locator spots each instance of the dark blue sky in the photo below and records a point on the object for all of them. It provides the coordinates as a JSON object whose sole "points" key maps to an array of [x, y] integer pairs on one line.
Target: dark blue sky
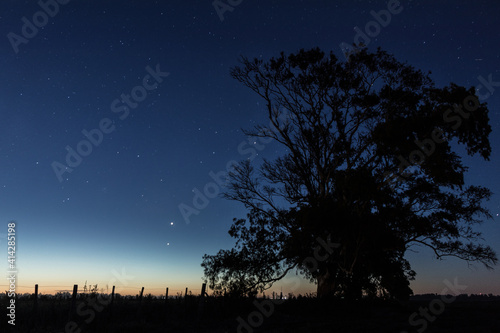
{"points": [[115, 210]]}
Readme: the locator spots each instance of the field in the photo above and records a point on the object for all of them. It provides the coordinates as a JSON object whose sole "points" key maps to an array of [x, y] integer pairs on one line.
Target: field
{"points": [[96, 313]]}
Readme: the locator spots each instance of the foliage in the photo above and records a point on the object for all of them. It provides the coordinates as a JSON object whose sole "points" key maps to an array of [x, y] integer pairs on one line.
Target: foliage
{"points": [[349, 129]]}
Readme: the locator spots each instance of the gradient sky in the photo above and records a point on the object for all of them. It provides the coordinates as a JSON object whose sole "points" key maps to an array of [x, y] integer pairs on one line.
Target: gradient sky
{"points": [[118, 210]]}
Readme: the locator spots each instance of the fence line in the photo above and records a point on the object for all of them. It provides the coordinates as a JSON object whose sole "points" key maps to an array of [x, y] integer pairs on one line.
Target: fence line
{"points": [[66, 288], [109, 300]]}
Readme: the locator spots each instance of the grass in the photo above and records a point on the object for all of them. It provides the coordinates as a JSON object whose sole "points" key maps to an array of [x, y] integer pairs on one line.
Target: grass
{"points": [[226, 315]]}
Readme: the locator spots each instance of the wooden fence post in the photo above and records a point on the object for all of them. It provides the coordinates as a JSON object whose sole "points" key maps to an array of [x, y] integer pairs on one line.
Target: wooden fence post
{"points": [[34, 316], [111, 303], [73, 301], [203, 290], [201, 305], [113, 295], [139, 310], [35, 301], [166, 309]]}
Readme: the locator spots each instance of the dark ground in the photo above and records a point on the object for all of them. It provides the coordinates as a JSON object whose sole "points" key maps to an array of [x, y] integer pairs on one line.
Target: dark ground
{"points": [[225, 315]]}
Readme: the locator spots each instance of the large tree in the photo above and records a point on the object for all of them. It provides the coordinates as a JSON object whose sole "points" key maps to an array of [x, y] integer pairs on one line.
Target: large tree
{"points": [[371, 168]]}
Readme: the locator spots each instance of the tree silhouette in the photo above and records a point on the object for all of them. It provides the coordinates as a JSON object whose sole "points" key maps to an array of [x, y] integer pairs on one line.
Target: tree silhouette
{"points": [[371, 168]]}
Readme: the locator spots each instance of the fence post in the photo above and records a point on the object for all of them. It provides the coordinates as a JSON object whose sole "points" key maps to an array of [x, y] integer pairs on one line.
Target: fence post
{"points": [[140, 296], [111, 303], [35, 301], [34, 316], [166, 308], [113, 296], [201, 305], [73, 301], [139, 310], [185, 295]]}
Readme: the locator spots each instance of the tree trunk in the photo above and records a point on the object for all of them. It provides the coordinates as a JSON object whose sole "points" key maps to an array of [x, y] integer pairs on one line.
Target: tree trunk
{"points": [[353, 291], [326, 286]]}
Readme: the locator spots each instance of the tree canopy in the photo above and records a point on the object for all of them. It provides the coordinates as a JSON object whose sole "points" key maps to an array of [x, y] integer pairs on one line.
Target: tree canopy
{"points": [[371, 169]]}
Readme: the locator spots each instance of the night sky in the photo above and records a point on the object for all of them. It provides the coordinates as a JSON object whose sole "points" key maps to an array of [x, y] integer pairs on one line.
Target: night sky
{"points": [[149, 83]]}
